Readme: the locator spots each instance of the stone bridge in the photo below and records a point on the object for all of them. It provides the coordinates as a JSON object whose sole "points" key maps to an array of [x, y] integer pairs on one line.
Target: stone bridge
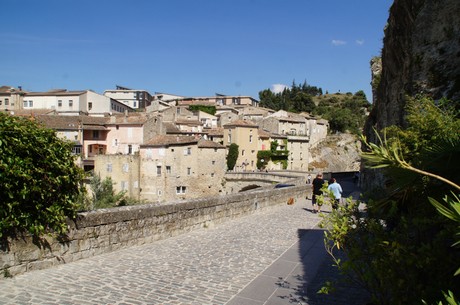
{"points": [[244, 181]]}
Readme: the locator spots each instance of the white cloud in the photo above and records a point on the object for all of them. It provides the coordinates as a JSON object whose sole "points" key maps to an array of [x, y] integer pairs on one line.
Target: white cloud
{"points": [[278, 88], [337, 42], [360, 41]]}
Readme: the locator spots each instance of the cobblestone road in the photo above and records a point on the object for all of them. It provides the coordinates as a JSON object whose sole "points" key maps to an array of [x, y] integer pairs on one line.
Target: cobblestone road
{"points": [[207, 266]]}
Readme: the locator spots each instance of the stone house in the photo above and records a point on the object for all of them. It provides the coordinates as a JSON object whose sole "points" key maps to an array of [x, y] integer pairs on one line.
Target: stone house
{"points": [[245, 134], [135, 99], [74, 102], [227, 117], [180, 167], [124, 170], [11, 98], [127, 132], [207, 120]]}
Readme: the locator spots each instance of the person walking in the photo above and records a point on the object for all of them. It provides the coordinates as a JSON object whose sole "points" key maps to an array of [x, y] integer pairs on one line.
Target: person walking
{"points": [[317, 185], [336, 189], [309, 179]]}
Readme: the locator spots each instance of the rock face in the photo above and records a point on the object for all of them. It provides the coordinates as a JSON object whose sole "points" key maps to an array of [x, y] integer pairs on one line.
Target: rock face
{"points": [[337, 153], [421, 54]]}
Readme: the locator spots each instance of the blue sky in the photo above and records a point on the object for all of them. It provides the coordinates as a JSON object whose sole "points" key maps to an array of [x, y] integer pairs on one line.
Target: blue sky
{"points": [[190, 47]]}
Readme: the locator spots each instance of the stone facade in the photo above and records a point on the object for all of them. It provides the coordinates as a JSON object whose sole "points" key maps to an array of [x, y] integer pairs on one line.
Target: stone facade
{"points": [[124, 170], [179, 168], [246, 135]]}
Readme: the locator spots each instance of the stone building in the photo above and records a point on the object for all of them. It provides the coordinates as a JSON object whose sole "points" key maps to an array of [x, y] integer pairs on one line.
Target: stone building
{"points": [[124, 170], [11, 98], [180, 167], [245, 134]]}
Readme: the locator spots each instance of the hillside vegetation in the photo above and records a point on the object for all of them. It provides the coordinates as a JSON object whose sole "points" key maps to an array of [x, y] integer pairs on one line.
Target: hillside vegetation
{"points": [[345, 112]]}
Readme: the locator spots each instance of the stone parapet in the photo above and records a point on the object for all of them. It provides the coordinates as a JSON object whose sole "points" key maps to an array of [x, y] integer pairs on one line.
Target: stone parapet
{"points": [[106, 230]]}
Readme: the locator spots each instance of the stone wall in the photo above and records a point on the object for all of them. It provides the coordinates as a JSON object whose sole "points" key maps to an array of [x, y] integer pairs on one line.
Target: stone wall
{"points": [[106, 230]]}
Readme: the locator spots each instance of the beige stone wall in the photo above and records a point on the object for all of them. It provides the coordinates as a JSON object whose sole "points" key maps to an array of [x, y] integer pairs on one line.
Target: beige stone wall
{"points": [[298, 147], [124, 171], [247, 140], [107, 230], [171, 173]]}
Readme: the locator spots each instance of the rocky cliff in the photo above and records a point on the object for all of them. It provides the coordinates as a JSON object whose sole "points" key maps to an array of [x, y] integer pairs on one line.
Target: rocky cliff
{"points": [[336, 153], [421, 54]]}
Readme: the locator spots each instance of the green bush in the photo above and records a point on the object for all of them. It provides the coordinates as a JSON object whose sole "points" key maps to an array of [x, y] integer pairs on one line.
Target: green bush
{"points": [[232, 156], [39, 180], [104, 195], [401, 249]]}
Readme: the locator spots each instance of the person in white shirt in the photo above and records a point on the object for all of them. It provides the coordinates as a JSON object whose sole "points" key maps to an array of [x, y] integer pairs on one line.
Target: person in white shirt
{"points": [[336, 189]]}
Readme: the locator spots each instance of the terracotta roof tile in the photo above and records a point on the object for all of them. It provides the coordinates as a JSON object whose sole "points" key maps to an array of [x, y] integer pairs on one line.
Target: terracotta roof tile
{"points": [[202, 143], [241, 123], [169, 140]]}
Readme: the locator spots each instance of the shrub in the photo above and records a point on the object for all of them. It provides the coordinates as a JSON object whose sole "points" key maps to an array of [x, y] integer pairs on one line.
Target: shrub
{"points": [[232, 156], [39, 180]]}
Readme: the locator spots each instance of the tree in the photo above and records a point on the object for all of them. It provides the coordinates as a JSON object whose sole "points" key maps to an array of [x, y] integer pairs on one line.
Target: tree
{"points": [[401, 249], [104, 195], [39, 180], [233, 152]]}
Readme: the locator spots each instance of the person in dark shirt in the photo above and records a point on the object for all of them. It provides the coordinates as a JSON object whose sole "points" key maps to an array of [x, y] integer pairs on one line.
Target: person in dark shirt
{"points": [[317, 185]]}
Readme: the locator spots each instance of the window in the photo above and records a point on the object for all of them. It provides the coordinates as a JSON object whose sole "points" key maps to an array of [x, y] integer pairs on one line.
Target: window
{"points": [[168, 169], [70, 103], [28, 104], [59, 103], [242, 152], [109, 167], [181, 189], [134, 104], [187, 151], [213, 162], [130, 149], [159, 170], [1, 102], [250, 138], [95, 134], [124, 185], [90, 105], [189, 171], [76, 150], [7, 102], [125, 167], [117, 127]]}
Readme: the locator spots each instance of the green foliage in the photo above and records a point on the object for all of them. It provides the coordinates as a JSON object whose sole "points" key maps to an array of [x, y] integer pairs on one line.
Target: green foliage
{"points": [[347, 113], [274, 155], [204, 108], [298, 98], [233, 152], [401, 249], [104, 195], [39, 181], [264, 155]]}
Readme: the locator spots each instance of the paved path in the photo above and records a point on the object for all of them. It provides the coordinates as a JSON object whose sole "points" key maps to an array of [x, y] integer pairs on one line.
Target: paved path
{"points": [[271, 257]]}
